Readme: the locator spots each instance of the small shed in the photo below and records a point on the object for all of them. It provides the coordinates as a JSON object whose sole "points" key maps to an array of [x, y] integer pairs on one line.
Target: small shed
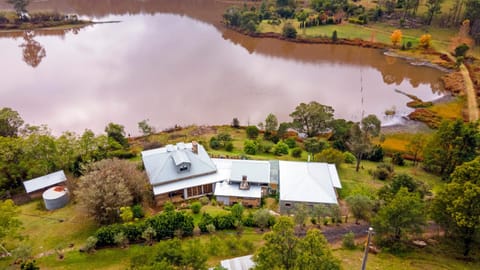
{"points": [[55, 197], [36, 186]]}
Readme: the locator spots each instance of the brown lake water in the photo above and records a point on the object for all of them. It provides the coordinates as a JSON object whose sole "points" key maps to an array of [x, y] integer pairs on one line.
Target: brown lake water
{"points": [[173, 63]]}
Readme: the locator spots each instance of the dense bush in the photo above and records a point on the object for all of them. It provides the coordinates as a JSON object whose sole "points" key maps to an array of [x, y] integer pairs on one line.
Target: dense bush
{"points": [[291, 142], [196, 207], [297, 152], [250, 147], [289, 31], [349, 158], [348, 240], [204, 222], [397, 159], [214, 143], [376, 154], [138, 212], [330, 155], [280, 149], [252, 132], [224, 222], [165, 225]]}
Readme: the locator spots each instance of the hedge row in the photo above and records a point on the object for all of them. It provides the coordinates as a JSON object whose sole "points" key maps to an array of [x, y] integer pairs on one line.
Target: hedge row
{"points": [[166, 225]]}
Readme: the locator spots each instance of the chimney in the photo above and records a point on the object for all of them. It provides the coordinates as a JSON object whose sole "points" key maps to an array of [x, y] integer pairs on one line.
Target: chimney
{"points": [[195, 147], [244, 184]]}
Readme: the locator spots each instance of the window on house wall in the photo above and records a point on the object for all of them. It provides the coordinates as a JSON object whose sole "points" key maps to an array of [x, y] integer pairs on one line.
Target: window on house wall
{"points": [[288, 205]]}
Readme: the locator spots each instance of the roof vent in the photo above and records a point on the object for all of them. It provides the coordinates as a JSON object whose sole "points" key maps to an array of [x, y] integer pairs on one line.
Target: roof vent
{"points": [[181, 146], [170, 148]]}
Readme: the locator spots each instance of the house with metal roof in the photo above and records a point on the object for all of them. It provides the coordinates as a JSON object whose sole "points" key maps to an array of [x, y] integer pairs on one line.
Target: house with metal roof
{"points": [[36, 186], [182, 171], [307, 183], [248, 182]]}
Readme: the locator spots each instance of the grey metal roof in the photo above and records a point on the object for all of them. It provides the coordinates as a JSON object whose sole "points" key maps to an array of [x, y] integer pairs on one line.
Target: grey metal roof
{"points": [[257, 171], [306, 182], [334, 176], [44, 181], [226, 189], [239, 263], [160, 168]]}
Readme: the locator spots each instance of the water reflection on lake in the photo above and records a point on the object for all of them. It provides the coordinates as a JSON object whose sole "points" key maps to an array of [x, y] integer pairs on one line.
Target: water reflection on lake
{"points": [[174, 69]]}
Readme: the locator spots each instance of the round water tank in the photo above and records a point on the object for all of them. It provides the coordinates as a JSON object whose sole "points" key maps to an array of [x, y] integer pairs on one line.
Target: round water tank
{"points": [[55, 197]]}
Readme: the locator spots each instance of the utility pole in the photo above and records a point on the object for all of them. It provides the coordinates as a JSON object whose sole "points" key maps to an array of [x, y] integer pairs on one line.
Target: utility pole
{"points": [[367, 247]]}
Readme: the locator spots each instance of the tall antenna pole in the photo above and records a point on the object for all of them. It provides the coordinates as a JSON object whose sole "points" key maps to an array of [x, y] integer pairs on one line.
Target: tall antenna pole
{"points": [[367, 247], [361, 93]]}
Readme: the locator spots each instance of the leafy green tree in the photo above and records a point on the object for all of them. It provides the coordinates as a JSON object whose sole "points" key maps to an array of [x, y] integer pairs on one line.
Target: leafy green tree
{"points": [[12, 172], [117, 133], [279, 251], [145, 128], [282, 130], [196, 207], [387, 192], [415, 147], [109, 185], [9, 224], [434, 7], [261, 218], [340, 133], [237, 211], [19, 5], [252, 132], [403, 215], [315, 254], [359, 142], [314, 146], [224, 138], [236, 123], [10, 122], [457, 207], [271, 123], [300, 214], [312, 118], [452, 144], [360, 206]]}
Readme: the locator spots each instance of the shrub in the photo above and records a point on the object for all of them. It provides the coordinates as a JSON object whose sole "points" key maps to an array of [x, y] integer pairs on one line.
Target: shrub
{"points": [[214, 143], [138, 212], [204, 222], [289, 31], [461, 50], [168, 207], [334, 36], [210, 228], [224, 222], [291, 143], [266, 146], [204, 200], [196, 207], [330, 155], [348, 240], [280, 149], [106, 235], [349, 158], [376, 154], [397, 159], [229, 147], [383, 171], [250, 147], [90, 244], [297, 152]]}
